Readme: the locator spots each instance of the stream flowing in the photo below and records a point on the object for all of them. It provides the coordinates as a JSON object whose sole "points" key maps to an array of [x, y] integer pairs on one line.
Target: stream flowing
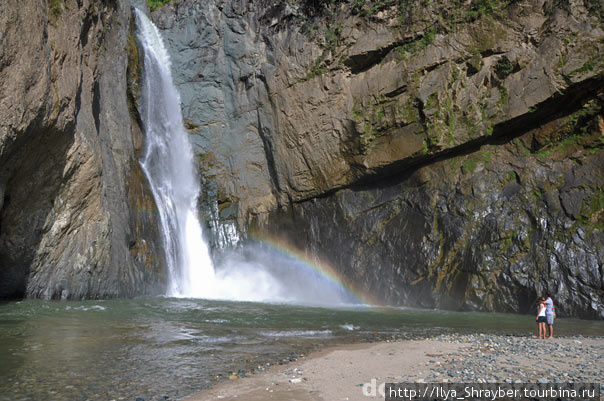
{"points": [[155, 347]]}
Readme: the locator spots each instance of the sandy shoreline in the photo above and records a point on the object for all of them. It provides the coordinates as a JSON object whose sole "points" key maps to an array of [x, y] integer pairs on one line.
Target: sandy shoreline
{"points": [[347, 372]]}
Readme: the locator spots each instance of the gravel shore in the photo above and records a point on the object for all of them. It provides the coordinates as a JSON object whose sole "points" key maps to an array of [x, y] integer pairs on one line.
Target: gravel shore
{"points": [[521, 359], [355, 372]]}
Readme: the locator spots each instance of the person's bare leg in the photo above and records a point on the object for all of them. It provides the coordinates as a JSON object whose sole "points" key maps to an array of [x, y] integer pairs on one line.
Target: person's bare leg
{"points": [[551, 331], [541, 330]]}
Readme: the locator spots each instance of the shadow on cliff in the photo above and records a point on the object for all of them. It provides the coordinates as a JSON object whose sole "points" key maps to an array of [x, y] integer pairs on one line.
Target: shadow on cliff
{"points": [[33, 174], [564, 104]]}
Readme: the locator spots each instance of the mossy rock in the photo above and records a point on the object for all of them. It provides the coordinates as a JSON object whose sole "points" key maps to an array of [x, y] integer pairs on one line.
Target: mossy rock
{"points": [[155, 4]]}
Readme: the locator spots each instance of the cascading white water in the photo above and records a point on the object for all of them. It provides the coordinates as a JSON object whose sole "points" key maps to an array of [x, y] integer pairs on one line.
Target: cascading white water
{"points": [[169, 166]]}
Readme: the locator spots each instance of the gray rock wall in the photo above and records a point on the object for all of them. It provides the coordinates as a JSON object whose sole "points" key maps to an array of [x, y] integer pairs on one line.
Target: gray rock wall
{"points": [[217, 55], [490, 230], [441, 155], [75, 220]]}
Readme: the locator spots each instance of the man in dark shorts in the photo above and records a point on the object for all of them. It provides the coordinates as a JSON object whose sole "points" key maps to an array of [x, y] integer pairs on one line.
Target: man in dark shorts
{"points": [[549, 314]]}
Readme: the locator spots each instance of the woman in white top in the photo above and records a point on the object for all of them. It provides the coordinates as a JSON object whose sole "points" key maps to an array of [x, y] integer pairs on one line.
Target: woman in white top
{"points": [[541, 319]]}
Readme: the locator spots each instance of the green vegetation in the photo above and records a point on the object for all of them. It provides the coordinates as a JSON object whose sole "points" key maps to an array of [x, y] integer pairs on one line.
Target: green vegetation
{"points": [[580, 131], [512, 176], [317, 68], [55, 8], [560, 147], [370, 119], [470, 164], [479, 8], [561, 61], [462, 12], [407, 109], [450, 120], [544, 153], [332, 37], [592, 210], [442, 124], [155, 4], [518, 142], [503, 68], [536, 194], [331, 42], [453, 163], [563, 58], [476, 61], [445, 18], [370, 8], [595, 8], [480, 157], [503, 97], [588, 66], [375, 117], [448, 124], [469, 125], [370, 130], [414, 47]]}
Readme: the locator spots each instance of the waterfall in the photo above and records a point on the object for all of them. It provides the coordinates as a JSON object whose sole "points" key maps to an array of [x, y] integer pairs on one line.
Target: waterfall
{"points": [[168, 163], [256, 274]]}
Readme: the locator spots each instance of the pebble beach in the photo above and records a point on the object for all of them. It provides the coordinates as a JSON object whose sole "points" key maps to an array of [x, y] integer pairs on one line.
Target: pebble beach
{"points": [[356, 372]]}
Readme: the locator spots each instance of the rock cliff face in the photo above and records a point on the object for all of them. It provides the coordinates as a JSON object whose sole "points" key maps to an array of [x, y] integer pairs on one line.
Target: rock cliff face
{"points": [[442, 154], [76, 219]]}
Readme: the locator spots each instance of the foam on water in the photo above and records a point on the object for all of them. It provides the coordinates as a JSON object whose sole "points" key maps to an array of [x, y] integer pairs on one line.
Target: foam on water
{"points": [[87, 308], [297, 333], [349, 327]]}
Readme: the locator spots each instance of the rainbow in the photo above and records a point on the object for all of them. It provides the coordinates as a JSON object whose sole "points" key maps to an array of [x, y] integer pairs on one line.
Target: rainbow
{"points": [[314, 264]]}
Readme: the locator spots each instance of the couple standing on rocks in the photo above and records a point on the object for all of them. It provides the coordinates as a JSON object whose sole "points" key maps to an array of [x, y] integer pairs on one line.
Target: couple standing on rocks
{"points": [[545, 314]]}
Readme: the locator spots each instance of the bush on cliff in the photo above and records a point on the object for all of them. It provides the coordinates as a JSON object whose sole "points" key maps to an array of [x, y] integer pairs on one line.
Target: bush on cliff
{"points": [[155, 4]]}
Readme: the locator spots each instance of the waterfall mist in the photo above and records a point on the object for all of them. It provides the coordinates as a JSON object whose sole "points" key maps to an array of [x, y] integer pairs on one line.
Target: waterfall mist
{"points": [[254, 274]]}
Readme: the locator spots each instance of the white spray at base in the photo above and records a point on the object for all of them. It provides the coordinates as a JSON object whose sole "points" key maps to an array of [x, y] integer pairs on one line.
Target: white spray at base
{"points": [[169, 165]]}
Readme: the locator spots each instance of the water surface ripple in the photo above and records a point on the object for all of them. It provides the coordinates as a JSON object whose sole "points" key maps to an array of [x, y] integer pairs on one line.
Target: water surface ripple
{"points": [[155, 347]]}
